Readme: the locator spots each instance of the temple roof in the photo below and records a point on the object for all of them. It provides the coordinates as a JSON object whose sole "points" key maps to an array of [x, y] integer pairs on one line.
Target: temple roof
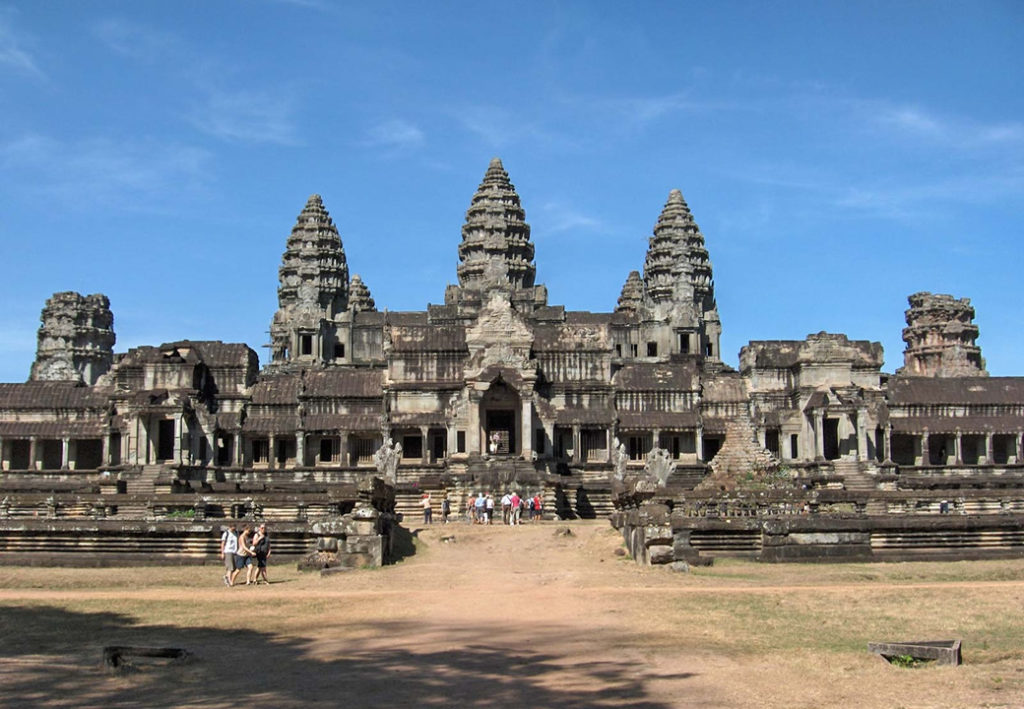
{"points": [[965, 390], [55, 395]]}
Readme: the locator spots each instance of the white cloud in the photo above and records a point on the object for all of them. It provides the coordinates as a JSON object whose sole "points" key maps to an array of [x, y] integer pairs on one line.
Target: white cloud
{"points": [[134, 40], [12, 53], [247, 116], [396, 133], [129, 175], [556, 217], [949, 131]]}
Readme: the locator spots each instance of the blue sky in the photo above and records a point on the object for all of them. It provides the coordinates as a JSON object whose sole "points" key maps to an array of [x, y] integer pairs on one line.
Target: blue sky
{"points": [[838, 156]]}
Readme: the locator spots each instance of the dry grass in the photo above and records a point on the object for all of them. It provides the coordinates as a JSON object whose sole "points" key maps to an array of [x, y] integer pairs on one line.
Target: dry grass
{"points": [[508, 616]]}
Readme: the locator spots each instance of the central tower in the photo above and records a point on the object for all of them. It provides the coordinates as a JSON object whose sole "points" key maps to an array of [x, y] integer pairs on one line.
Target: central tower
{"points": [[496, 254]]}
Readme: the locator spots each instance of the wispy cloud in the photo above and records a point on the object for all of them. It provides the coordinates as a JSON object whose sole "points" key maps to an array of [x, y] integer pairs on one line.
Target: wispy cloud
{"points": [[12, 53], [954, 132], [558, 217], [134, 40], [394, 134], [246, 116], [256, 115], [129, 175]]}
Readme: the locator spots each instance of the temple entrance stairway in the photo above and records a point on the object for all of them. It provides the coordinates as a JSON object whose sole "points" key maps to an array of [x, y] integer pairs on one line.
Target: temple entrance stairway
{"points": [[857, 477], [140, 489]]}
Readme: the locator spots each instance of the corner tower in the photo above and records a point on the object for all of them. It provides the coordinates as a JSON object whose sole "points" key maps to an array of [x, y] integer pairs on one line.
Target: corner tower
{"points": [[313, 289], [496, 254], [678, 289], [940, 336], [76, 339]]}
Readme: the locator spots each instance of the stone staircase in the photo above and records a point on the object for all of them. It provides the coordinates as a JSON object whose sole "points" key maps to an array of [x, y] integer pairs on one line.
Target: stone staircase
{"points": [[138, 490], [857, 478]]}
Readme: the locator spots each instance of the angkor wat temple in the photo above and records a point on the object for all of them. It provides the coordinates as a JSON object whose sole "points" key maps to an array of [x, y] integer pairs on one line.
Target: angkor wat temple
{"points": [[498, 388]]}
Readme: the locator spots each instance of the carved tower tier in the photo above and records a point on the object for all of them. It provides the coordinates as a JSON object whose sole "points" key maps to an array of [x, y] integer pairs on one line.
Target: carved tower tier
{"points": [[76, 339], [496, 253], [313, 289], [940, 337]]}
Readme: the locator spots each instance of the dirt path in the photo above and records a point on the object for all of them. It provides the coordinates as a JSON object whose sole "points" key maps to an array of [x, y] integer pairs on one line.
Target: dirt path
{"points": [[480, 616]]}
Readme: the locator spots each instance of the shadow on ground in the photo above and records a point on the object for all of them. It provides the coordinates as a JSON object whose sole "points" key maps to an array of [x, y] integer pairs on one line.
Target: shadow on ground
{"points": [[52, 657]]}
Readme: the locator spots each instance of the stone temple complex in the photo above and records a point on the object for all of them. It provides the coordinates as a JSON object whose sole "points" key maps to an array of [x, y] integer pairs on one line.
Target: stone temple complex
{"points": [[630, 414]]}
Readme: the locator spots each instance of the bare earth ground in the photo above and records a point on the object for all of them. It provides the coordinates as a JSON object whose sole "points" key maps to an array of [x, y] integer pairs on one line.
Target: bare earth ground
{"points": [[504, 617]]}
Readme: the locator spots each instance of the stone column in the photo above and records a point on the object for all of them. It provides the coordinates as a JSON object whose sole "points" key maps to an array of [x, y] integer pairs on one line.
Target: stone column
{"points": [[656, 438], [106, 448], [33, 452], [425, 450], [887, 442], [608, 438], [65, 453], [698, 443], [862, 434], [177, 438], [819, 434], [575, 443], [300, 449], [1020, 448], [473, 431], [236, 450], [343, 449], [453, 439], [990, 456], [925, 453], [958, 449], [527, 429], [4, 464], [272, 452]]}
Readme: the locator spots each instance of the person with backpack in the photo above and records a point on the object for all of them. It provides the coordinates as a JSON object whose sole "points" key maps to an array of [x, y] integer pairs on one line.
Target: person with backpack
{"points": [[261, 549], [228, 549]]}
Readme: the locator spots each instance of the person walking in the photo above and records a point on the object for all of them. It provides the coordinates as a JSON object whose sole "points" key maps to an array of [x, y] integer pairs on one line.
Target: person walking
{"points": [[490, 508], [243, 557], [481, 509], [446, 508], [514, 502], [535, 509], [228, 548], [261, 550], [428, 512], [471, 508], [506, 507]]}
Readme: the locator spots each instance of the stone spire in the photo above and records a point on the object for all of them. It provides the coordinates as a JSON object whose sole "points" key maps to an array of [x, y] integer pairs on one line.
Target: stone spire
{"points": [[677, 267], [76, 339], [940, 337], [677, 276], [359, 298], [313, 285], [631, 299], [496, 251]]}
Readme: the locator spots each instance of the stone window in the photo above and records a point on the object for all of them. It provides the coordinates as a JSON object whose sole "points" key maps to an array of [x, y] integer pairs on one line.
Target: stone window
{"points": [[260, 451], [794, 446], [709, 350], [89, 454], [652, 349], [328, 449], [594, 444], [618, 350], [363, 450], [639, 446], [412, 446], [339, 350], [539, 436], [305, 344], [771, 441], [460, 441], [684, 343], [634, 351], [285, 450]]}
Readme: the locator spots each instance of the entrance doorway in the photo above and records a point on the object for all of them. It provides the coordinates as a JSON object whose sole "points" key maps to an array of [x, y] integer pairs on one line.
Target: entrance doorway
{"points": [[499, 419], [501, 432], [831, 439], [165, 440]]}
